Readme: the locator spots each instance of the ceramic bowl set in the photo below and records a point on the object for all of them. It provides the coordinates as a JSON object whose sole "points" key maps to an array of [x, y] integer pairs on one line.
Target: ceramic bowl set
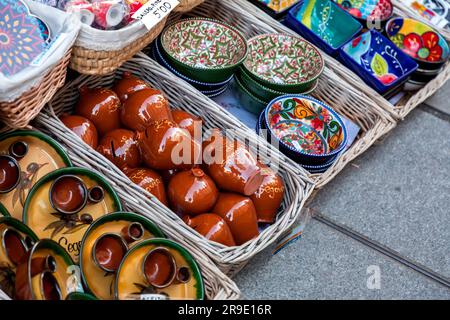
{"points": [[276, 65], [201, 51], [305, 129]]}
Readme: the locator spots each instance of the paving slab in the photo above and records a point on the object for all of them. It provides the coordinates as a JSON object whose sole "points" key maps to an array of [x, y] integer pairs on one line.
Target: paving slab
{"points": [[441, 99], [326, 264], [398, 192]]}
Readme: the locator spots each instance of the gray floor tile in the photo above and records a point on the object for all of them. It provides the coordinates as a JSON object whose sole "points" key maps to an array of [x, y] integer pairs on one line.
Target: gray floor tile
{"points": [[441, 99], [400, 194], [325, 264]]}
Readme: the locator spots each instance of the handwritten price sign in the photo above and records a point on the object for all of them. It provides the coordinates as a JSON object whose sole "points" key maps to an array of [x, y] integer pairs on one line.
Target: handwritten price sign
{"points": [[154, 11]]}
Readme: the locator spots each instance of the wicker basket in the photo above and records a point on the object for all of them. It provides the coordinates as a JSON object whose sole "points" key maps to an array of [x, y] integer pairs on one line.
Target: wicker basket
{"points": [[93, 62], [187, 5], [18, 113], [181, 95], [359, 108]]}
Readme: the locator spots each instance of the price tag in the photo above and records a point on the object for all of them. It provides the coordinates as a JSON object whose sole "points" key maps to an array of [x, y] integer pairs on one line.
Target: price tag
{"points": [[154, 11]]}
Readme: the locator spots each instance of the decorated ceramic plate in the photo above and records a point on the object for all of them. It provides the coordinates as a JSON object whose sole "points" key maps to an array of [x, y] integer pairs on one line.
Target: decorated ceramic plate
{"points": [[63, 204], [283, 60], [97, 278], [367, 9], [159, 269], [33, 154]]}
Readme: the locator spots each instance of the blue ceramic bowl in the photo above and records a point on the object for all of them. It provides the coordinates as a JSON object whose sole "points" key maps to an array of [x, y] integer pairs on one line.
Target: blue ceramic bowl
{"points": [[327, 31], [378, 61], [307, 130]]}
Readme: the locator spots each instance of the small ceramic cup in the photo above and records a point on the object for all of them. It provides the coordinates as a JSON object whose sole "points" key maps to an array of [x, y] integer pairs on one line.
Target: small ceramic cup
{"points": [[108, 251], [9, 173], [68, 194], [15, 245]]}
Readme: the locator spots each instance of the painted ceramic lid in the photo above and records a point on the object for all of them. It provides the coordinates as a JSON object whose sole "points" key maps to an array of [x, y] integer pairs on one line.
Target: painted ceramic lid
{"points": [[204, 43], [67, 229], [41, 155], [306, 125], [418, 40], [283, 59], [367, 9]]}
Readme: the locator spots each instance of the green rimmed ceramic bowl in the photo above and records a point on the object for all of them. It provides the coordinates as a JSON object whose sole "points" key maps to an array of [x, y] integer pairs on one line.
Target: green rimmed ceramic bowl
{"points": [[43, 155], [99, 283], [203, 49], [131, 284], [262, 92], [80, 296], [283, 62], [67, 230], [247, 100]]}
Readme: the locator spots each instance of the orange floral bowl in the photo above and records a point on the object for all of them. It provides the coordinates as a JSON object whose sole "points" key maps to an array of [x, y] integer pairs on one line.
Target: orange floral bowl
{"points": [[307, 130]]}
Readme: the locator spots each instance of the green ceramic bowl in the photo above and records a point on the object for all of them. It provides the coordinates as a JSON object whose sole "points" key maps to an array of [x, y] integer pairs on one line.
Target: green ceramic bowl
{"points": [[249, 101], [283, 62], [203, 49]]}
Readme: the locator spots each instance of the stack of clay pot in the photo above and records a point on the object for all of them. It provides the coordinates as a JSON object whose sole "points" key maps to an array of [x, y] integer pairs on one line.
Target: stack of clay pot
{"points": [[215, 185]]}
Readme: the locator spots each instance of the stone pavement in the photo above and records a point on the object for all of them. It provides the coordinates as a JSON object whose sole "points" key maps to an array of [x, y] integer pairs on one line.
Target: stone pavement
{"points": [[397, 194]]}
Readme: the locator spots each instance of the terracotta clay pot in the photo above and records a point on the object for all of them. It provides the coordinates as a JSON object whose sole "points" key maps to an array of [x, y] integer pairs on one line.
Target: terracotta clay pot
{"points": [[108, 251], [267, 199], [240, 214], [166, 146], [128, 85], [68, 194], [231, 165], [150, 181], [167, 175], [101, 106], [192, 192], [187, 121], [143, 107], [82, 127], [121, 148], [9, 173], [212, 227]]}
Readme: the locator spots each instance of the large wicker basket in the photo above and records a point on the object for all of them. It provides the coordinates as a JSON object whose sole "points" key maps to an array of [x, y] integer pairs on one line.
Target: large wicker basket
{"points": [[18, 113], [181, 95], [187, 5]]}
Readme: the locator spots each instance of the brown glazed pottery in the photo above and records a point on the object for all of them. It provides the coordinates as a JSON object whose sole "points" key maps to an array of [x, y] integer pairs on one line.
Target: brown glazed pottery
{"points": [[132, 232], [267, 199], [101, 106], [9, 173], [192, 192], [231, 165], [120, 147], [166, 146], [128, 85], [187, 121], [167, 175], [108, 251], [68, 194], [212, 227], [15, 245], [159, 267], [82, 127], [143, 107], [150, 181], [240, 214]]}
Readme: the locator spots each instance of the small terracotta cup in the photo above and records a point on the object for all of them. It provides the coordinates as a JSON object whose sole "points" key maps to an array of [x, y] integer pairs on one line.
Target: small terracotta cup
{"points": [[212, 227], [96, 194], [187, 121], [159, 267], [240, 214], [9, 173], [101, 106], [149, 180], [192, 192], [132, 232], [68, 194], [82, 127], [49, 287], [128, 85], [18, 149], [15, 245], [108, 251]]}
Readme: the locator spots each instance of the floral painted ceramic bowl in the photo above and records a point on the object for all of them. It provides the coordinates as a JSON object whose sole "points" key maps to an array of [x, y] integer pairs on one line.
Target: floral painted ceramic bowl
{"points": [[161, 269], [420, 41], [64, 203], [370, 13], [323, 23], [131, 227], [204, 49], [33, 155], [283, 62], [307, 130], [378, 61]]}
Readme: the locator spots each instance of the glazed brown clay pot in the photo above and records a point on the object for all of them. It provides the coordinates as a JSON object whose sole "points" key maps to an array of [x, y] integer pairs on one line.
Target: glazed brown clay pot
{"points": [[267, 199], [212, 227], [231, 165], [101, 106], [187, 121], [150, 181], [108, 251], [128, 85], [143, 107], [192, 192], [121, 148], [167, 175], [68, 194], [82, 127], [240, 214], [9, 173], [159, 267], [166, 146]]}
